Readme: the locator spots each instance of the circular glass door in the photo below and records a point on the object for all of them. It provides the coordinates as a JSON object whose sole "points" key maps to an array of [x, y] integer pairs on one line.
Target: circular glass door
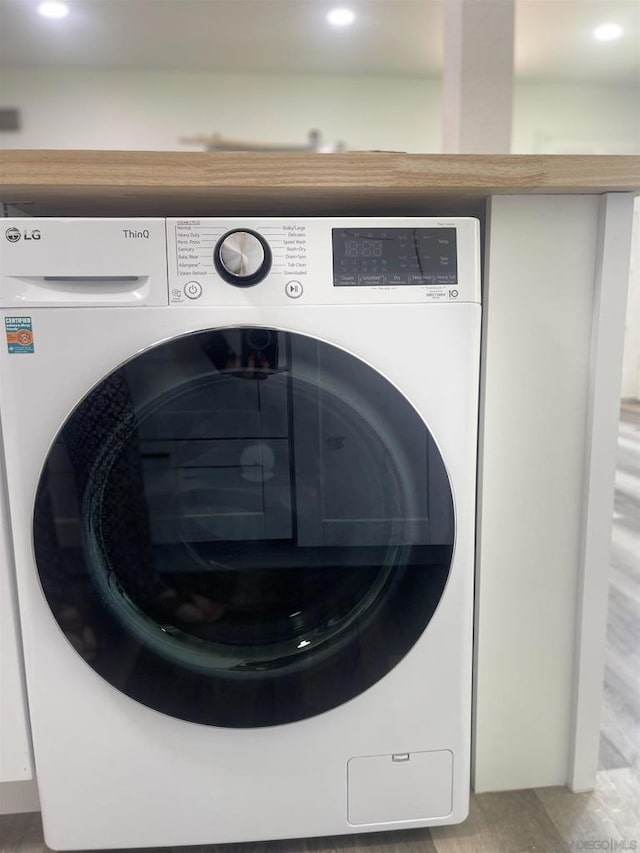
{"points": [[243, 527]]}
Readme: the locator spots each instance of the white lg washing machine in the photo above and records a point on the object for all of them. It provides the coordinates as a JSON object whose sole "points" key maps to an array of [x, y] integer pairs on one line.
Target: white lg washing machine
{"points": [[241, 461]]}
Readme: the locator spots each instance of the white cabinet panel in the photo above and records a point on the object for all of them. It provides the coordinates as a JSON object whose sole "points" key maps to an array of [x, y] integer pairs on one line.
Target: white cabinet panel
{"points": [[15, 749]]}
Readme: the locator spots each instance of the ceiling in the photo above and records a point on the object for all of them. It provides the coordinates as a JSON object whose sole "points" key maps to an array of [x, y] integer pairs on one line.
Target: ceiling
{"points": [[392, 37]]}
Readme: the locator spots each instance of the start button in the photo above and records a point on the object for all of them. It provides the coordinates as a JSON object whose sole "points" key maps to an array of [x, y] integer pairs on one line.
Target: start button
{"points": [[293, 289]]}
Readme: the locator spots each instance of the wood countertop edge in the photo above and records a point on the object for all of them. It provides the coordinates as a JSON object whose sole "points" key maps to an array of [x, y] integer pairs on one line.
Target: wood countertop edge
{"points": [[135, 172]]}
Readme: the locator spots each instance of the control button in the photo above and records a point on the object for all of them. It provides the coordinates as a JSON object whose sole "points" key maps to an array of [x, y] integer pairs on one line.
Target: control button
{"points": [[242, 257], [193, 290], [293, 289], [371, 279], [453, 294]]}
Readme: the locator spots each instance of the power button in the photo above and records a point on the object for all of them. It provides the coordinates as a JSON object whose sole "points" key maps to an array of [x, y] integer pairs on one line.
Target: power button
{"points": [[193, 290]]}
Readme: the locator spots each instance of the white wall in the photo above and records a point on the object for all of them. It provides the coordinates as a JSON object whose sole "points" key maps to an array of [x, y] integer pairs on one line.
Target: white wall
{"points": [[153, 109], [570, 118]]}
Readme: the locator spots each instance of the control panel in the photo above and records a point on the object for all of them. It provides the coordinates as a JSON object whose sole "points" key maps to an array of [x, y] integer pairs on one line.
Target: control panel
{"points": [[267, 261], [371, 257]]}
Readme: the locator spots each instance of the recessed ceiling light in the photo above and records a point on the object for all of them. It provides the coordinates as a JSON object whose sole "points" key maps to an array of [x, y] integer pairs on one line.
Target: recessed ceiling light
{"points": [[53, 9], [341, 17], [608, 32]]}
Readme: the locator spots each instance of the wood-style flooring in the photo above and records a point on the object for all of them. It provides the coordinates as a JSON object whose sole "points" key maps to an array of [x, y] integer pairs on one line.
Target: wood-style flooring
{"points": [[546, 820], [620, 743]]}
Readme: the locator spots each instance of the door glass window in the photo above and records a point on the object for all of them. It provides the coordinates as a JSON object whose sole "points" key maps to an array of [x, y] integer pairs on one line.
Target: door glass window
{"points": [[243, 527]]}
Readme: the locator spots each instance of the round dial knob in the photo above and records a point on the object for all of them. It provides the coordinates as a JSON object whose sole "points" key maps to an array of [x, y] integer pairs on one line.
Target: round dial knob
{"points": [[242, 257]]}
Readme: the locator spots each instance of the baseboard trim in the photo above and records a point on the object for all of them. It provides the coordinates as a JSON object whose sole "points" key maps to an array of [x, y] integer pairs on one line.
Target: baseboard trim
{"points": [[18, 797]]}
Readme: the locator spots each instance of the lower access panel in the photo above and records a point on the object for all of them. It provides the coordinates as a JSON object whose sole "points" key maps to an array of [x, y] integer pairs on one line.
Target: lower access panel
{"points": [[400, 787]]}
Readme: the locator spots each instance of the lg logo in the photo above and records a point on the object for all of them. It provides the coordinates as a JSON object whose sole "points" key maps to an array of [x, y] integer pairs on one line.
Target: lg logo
{"points": [[14, 234]]}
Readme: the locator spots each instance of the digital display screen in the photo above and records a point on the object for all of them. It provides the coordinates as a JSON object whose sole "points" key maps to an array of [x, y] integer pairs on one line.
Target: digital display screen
{"points": [[373, 257]]}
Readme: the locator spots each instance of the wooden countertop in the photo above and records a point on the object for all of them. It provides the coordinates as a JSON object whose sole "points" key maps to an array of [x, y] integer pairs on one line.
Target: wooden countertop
{"points": [[139, 183]]}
